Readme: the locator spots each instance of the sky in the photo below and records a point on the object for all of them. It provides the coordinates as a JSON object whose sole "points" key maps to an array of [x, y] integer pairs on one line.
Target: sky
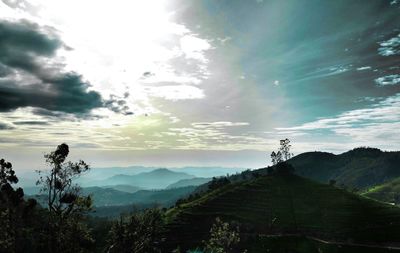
{"points": [[196, 82]]}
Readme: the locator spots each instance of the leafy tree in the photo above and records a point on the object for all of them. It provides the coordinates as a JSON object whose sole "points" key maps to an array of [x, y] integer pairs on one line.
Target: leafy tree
{"points": [[66, 206], [9, 200], [276, 157], [285, 149], [283, 154], [218, 182], [7, 174], [140, 233], [223, 238], [16, 215]]}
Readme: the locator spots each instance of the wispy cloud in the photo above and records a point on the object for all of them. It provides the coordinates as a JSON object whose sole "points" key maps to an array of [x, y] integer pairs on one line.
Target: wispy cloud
{"points": [[364, 68], [371, 126], [388, 80], [390, 46]]}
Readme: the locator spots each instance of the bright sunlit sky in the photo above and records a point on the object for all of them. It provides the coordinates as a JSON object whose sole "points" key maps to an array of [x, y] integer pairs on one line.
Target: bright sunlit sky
{"points": [[196, 82]]}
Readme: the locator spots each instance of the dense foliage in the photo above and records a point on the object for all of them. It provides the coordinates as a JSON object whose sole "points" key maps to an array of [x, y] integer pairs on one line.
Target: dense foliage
{"points": [[140, 233]]}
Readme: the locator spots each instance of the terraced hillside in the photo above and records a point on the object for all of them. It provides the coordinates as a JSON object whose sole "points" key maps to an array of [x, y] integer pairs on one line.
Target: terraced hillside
{"points": [[285, 205]]}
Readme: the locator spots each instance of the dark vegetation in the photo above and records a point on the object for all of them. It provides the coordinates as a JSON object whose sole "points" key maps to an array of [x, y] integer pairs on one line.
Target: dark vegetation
{"points": [[109, 197], [189, 182], [58, 228], [359, 168], [388, 192], [279, 204], [267, 210]]}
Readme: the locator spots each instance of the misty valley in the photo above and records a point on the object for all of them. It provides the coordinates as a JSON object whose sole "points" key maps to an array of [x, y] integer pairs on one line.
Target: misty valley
{"points": [[312, 202]]}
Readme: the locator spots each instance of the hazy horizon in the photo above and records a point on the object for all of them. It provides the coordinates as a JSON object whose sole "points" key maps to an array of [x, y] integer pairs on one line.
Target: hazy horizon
{"points": [[183, 83]]}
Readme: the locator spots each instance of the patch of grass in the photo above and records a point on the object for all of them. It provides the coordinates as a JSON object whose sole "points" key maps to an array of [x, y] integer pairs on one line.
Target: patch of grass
{"points": [[387, 192]]}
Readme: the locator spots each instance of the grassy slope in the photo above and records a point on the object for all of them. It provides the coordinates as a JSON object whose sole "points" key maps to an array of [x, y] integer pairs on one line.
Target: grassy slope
{"points": [[361, 167], [299, 205], [385, 192]]}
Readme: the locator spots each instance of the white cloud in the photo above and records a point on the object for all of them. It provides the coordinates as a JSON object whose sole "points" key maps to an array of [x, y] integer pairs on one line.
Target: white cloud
{"points": [[390, 46], [175, 92], [194, 47], [364, 68], [114, 44], [377, 125], [216, 136], [218, 124], [388, 80]]}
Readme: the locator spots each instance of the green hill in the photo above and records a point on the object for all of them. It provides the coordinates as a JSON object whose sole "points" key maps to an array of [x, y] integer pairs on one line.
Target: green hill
{"points": [[285, 205], [359, 168], [388, 192]]}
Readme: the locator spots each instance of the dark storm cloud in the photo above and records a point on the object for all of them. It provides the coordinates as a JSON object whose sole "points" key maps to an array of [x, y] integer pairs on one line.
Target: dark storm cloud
{"points": [[118, 105], [28, 80], [29, 122]]}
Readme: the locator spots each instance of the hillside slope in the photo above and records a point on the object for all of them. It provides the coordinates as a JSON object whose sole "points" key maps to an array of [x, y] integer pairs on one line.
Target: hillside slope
{"points": [[189, 182], [358, 168], [285, 204], [388, 192]]}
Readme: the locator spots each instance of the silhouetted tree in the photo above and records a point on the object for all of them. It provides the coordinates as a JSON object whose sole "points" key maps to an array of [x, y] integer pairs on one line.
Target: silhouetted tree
{"points": [[9, 200], [223, 238], [65, 203], [218, 182], [139, 233], [283, 154], [16, 234], [276, 157], [285, 149]]}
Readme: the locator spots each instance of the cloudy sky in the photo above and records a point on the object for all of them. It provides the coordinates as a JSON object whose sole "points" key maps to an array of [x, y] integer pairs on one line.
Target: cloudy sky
{"points": [[196, 82]]}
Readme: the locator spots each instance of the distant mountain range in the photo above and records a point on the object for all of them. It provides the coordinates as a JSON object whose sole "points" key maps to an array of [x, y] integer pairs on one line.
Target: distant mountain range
{"points": [[156, 179], [111, 197], [189, 182], [158, 187], [124, 188], [99, 176]]}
